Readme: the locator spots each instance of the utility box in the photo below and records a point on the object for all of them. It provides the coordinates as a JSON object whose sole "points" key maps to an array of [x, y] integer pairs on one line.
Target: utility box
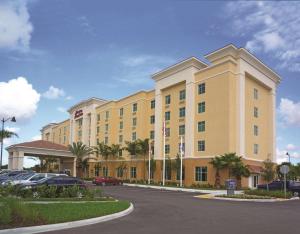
{"points": [[230, 185]]}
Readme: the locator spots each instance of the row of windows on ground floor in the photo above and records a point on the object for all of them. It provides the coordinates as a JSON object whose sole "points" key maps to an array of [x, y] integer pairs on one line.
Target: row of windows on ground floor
{"points": [[200, 173]]}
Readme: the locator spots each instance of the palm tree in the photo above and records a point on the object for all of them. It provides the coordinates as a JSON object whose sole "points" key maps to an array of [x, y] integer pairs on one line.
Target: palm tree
{"points": [[268, 172], [133, 149], [229, 160], [85, 166], [240, 170], [218, 163], [7, 134], [115, 150], [80, 150], [143, 150]]}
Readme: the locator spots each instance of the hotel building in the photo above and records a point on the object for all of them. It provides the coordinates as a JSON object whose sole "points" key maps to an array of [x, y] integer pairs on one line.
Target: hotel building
{"points": [[225, 106]]}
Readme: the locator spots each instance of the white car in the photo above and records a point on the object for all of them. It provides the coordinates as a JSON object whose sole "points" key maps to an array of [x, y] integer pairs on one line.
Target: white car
{"points": [[29, 178]]}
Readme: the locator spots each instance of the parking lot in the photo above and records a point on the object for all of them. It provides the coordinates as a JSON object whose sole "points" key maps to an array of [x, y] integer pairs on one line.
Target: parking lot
{"points": [[179, 212]]}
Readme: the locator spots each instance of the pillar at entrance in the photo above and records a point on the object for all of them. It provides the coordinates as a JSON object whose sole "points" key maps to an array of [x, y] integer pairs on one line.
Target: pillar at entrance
{"points": [[16, 159], [74, 167]]}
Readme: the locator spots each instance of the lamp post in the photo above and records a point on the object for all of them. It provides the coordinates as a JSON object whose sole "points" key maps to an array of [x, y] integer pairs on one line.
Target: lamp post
{"points": [[289, 156], [12, 119]]}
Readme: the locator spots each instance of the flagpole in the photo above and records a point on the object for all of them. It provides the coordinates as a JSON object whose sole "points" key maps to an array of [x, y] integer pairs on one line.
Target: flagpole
{"points": [[164, 152], [181, 153], [149, 174]]}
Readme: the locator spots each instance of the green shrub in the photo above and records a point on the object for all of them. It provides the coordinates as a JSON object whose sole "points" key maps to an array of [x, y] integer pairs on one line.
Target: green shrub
{"points": [[202, 186], [275, 194]]}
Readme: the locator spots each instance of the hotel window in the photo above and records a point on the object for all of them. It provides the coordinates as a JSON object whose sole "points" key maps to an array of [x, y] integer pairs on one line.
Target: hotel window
{"points": [[182, 95], [121, 125], [255, 93], [167, 115], [120, 153], [80, 122], [97, 141], [201, 107], [255, 130], [98, 130], [64, 139], [168, 99], [152, 104], [255, 150], [201, 174], [98, 117], [152, 119], [120, 138], [167, 149], [201, 126], [105, 171], [106, 140], [133, 136], [181, 112], [79, 133], [201, 88], [168, 132], [134, 122], [120, 172], [121, 111], [181, 129], [255, 112], [106, 127], [133, 172], [201, 145], [65, 130], [183, 147], [151, 135], [107, 114], [134, 107]]}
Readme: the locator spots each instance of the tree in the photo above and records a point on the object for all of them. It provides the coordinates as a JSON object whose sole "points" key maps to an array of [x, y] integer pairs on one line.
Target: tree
{"points": [[240, 170], [7, 134], [80, 150], [115, 150], [103, 150], [143, 149], [268, 172], [218, 163], [132, 147], [230, 159], [85, 166]]}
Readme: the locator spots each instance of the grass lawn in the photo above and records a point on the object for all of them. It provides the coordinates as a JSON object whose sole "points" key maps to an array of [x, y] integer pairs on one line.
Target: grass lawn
{"points": [[14, 213]]}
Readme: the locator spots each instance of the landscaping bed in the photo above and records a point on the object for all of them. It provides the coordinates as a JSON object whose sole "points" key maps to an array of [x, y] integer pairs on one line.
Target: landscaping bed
{"points": [[273, 194], [15, 213], [244, 196]]}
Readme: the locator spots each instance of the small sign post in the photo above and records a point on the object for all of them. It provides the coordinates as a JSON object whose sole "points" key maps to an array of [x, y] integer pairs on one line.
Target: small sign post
{"points": [[284, 169]]}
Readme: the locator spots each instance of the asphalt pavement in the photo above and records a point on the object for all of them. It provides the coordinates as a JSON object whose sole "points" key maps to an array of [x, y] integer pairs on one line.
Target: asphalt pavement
{"points": [[160, 211]]}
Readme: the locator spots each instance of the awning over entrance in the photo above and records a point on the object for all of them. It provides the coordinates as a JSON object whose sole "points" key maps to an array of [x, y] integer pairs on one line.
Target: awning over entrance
{"points": [[255, 169], [39, 149]]}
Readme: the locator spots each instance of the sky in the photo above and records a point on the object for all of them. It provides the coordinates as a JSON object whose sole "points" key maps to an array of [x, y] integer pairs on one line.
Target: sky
{"points": [[56, 53]]}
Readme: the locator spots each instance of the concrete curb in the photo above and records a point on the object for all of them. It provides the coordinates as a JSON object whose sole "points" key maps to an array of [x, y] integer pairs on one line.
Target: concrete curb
{"points": [[254, 200], [207, 191], [67, 225]]}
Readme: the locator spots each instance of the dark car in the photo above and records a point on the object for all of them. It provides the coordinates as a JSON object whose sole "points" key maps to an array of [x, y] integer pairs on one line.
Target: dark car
{"points": [[275, 185], [294, 187], [106, 181], [58, 181], [9, 175]]}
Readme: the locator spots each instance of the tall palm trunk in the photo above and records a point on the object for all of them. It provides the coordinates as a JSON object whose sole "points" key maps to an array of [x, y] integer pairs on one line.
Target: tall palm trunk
{"points": [[218, 179]]}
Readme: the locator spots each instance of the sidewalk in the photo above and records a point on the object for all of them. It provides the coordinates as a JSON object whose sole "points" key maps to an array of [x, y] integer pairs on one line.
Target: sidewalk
{"points": [[205, 191]]}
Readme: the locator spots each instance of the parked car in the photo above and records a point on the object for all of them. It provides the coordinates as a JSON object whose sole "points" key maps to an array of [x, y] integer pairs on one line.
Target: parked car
{"points": [[59, 181], [294, 187], [31, 177], [10, 175], [106, 181], [274, 185]]}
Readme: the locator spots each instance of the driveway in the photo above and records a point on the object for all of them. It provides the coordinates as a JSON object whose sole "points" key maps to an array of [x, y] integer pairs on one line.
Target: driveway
{"points": [[179, 212]]}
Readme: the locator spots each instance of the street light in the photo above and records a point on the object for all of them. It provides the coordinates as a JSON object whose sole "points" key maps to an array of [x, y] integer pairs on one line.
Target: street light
{"points": [[12, 119], [289, 156]]}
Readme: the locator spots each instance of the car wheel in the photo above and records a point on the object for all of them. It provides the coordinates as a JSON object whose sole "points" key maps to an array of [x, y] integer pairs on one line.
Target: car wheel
{"points": [[103, 183], [296, 194]]}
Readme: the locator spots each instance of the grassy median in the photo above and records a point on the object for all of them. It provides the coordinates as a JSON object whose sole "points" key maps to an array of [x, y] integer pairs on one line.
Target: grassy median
{"points": [[15, 213]]}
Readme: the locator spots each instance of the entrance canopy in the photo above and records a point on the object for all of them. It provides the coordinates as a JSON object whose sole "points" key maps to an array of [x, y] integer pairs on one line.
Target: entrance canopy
{"points": [[40, 149]]}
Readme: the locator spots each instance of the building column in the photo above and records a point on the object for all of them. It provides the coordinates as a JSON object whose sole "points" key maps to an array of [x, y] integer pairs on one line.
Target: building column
{"points": [[190, 119], [273, 137], [71, 137], [74, 167], [93, 129], [241, 114], [10, 160], [85, 129], [158, 125]]}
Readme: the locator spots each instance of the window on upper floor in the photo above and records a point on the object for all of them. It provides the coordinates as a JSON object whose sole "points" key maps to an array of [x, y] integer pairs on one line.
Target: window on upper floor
{"points": [[152, 104], [134, 121], [121, 111], [152, 135], [255, 112], [167, 115], [201, 88], [255, 149], [201, 107], [167, 149], [106, 140], [106, 127], [201, 145], [255, 93], [107, 114], [182, 112], [134, 107], [98, 130], [120, 139], [181, 130], [133, 136], [98, 117], [168, 132], [255, 130], [121, 125], [201, 126], [179, 147], [182, 95], [152, 119], [168, 99]]}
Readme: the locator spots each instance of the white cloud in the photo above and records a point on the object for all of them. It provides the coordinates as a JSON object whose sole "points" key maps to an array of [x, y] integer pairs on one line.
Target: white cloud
{"points": [[289, 112], [15, 25], [281, 156], [291, 147], [18, 98], [37, 137], [54, 93], [69, 98], [271, 26], [62, 110], [85, 24]]}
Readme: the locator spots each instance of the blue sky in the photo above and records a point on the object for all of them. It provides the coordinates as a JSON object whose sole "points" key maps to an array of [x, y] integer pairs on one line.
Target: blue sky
{"points": [[67, 51]]}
